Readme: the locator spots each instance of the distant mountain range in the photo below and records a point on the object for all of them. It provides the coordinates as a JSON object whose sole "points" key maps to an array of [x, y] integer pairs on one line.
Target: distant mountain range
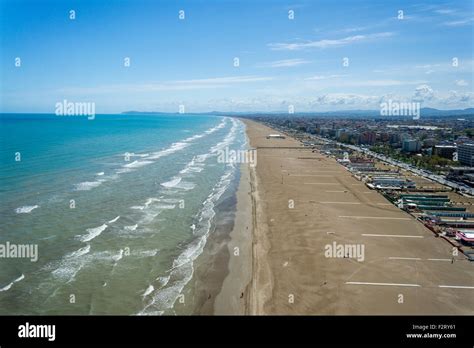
{"points": [[354, 113]]}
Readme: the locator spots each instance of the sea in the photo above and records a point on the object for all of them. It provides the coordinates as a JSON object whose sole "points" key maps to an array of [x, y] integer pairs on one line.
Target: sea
{"points": [[120, 207]]}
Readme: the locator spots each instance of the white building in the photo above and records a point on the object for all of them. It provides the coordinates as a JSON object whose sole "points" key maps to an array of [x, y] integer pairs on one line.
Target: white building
{"points": [[275, 136]]}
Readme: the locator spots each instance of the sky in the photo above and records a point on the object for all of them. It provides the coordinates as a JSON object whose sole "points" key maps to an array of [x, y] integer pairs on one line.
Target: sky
{"points": [[235, 55]]}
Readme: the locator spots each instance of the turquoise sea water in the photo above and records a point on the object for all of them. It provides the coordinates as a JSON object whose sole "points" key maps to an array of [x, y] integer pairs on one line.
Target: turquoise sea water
{"points": [[119, 206]]}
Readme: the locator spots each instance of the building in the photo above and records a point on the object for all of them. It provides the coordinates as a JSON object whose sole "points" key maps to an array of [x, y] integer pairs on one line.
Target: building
{"points": [[394, 138], [339, 132], [466, 236], [429, 142], [367, 138], [445, 151], [275, 136], [411, 145], [466, 154], [391, 183]]}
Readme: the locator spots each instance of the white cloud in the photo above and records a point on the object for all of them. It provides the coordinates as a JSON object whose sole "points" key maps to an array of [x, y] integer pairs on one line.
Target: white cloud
{"points": [[445, 11], [423, 93], [284, 63], [455, 98], [177, 85], [346, 99], [328, 42], [461, 83], [458, 23], [323, 77], [361, 83], [312, 102], [355, 29], [380, 83]]}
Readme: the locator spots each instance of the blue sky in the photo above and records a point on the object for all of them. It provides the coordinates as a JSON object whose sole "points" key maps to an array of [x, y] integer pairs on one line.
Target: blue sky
{"points": [[282, 61]]}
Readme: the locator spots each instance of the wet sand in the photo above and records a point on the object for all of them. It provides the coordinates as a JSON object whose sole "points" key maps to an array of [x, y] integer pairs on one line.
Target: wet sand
{"points": [[234, 293], [224, 269]]}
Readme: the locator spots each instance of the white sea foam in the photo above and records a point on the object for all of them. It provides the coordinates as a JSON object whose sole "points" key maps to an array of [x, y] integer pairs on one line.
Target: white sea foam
{"points": [[185, 185], [127, 154], [148, 291], [88, 185], [219, 126], [79, 252], [67, 269], [229, 138], [194, 169], [149, 217], [193, 166], [166, 206], [149, 159], [124, 170], [119, 256], [93, 233], [172, 149], [26, 209], [150, 201], [138, 207], [184, 143], [202, 158], [207, 132], [182, 269], [147, 253], [6, 288], [163, 280], [113, 220], [170, 200], [131, 228], [137, 164], [172, 183]]}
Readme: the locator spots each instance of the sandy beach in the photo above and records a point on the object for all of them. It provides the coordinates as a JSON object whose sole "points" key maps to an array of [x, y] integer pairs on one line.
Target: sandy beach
{"points": [[234, 293], [304, 201]]}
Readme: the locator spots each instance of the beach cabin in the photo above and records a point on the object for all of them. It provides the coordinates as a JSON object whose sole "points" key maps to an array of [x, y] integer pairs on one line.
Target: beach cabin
{"points": [[275, 136]]}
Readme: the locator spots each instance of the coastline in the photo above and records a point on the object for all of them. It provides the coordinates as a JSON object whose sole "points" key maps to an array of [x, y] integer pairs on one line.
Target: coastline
{"points": [[248, 284], [304, 201], [224, 270], [233, 297]]}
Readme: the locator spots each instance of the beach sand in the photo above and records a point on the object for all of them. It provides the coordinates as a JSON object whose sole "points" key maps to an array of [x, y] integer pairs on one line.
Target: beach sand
{"points": [[233, 296], [224, 269], [303, 202]]}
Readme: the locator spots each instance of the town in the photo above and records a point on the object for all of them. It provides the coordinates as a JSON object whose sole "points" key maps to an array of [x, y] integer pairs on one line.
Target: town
{"points": [[438, 147]]}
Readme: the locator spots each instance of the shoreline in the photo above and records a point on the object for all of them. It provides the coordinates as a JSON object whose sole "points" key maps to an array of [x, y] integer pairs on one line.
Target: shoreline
{"points": [[224, 270], [233, 296], [303, 202]]}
